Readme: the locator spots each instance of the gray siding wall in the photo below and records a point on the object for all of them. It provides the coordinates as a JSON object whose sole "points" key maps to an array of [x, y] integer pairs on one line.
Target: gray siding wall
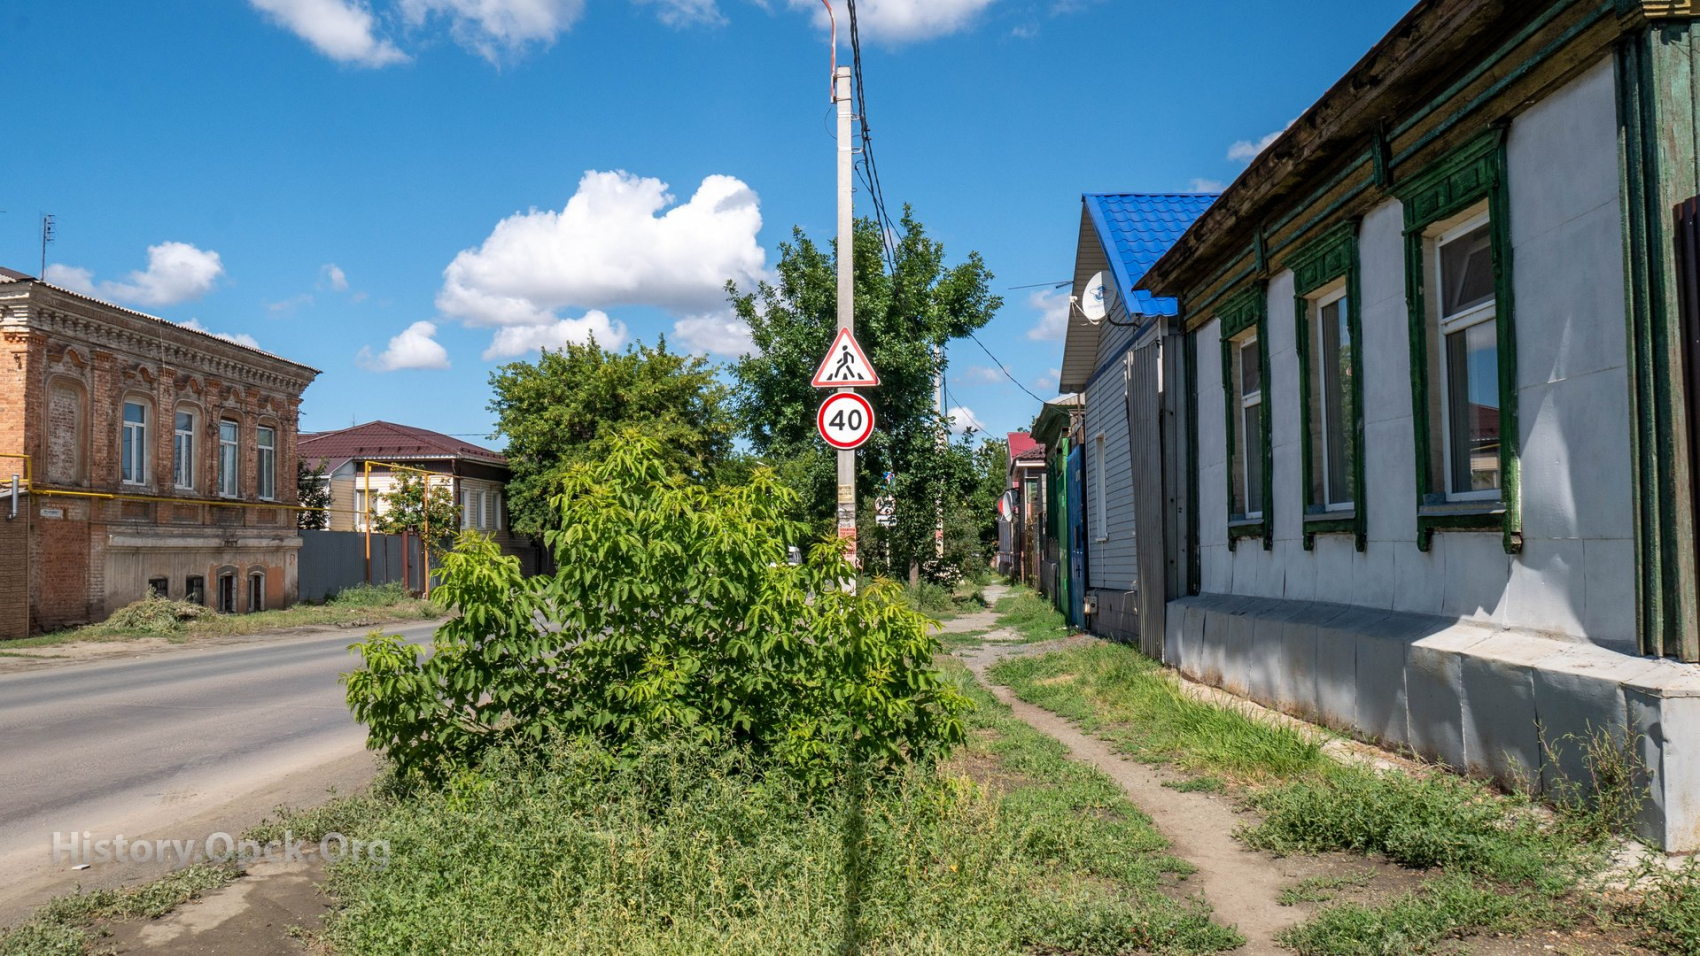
{"points": [[1113, 559]]}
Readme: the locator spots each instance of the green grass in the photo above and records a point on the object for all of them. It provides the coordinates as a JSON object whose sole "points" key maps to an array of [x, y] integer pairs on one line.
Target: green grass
{"points": [[1117, 693], [61, 928], [1501, 863], [359, 606], [1321, 889], [687, 850], [1665, 907], [1031, 616], [1446, 908]]}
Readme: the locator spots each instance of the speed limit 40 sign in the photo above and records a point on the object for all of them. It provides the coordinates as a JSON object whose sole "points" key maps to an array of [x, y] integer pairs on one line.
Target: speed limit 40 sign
{"points": [[845, 420]]}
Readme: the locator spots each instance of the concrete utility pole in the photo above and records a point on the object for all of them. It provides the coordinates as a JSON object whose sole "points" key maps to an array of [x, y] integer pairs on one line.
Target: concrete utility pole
{"points": [[846, 290]]}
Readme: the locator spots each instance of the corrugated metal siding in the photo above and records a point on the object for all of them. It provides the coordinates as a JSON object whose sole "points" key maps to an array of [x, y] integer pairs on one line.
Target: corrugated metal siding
{"points": [[1114, 563]]}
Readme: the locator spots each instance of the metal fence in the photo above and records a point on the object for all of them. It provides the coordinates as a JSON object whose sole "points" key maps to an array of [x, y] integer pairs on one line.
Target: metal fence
{"points": [[333, 560]]}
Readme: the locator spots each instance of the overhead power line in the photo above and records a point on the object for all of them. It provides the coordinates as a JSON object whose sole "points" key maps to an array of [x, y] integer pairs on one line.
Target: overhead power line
{"points": [[1004, 368], [869, 167]]}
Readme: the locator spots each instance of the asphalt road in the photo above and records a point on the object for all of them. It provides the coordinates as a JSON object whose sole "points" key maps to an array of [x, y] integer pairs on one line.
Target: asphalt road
{"points": [[174, 745]]}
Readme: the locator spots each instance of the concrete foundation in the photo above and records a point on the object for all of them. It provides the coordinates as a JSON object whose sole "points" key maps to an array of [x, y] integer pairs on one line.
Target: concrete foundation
{"points": [[1506, 704]]}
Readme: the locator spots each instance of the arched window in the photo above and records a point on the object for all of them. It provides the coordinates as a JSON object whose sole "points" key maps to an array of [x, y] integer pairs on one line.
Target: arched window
{"points": [[256, 591]]}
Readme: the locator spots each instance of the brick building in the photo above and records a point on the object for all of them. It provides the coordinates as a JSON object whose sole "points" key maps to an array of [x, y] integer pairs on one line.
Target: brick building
{"points": [[148, 455]]}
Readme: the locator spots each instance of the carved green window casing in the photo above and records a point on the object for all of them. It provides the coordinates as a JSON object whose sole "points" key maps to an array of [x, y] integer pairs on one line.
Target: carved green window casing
{"points": [[1331, 420], [1245, 316], [1472, 177]]}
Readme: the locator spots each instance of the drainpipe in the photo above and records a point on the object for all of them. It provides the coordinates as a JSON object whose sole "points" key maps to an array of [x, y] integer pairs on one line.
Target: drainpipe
{"points": [[12, 513]]}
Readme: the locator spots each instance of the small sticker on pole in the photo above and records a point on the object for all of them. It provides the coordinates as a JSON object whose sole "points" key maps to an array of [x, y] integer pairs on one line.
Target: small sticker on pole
{"points": [[846, 421], [845, 365]]}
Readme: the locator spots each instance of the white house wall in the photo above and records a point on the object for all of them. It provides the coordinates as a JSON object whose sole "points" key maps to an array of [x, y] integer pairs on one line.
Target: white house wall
{"points": [[1575, 575]]}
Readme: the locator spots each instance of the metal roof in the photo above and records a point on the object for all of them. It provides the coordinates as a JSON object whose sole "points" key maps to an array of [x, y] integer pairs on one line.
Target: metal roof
{"points": [[1121, 234], [384, 441], [1136, 230]]}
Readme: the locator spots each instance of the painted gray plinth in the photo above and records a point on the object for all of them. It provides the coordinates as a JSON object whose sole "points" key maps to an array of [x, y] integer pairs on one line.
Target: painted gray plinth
{"points": [[1501, 737], [1465, 693], [1434, 691], [1579, 694]]}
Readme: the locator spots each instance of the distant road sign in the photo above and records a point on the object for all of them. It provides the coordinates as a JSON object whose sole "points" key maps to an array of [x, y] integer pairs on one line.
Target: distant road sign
{"points": [[845, 365], [845, 420]]}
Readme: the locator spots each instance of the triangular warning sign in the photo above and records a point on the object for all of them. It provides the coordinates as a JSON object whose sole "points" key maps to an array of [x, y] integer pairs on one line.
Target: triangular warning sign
{"points": [[845, 365]]}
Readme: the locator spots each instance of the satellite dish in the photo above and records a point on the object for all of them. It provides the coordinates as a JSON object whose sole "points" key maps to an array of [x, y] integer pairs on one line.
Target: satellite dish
{"points": [[1092, 303]]}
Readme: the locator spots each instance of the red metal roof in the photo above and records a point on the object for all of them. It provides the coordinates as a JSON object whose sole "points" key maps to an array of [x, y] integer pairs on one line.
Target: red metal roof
{"points": [[1020, 443], [389, 441]]}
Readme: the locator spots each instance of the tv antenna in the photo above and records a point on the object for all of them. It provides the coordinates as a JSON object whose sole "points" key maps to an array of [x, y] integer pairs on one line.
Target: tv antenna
{"points": [[47, 236]]}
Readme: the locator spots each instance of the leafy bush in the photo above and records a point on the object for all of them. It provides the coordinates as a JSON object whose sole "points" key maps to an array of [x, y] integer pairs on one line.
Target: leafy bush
{"points": [[674, 612], [930, 599], [155, 615], [370, 595]]}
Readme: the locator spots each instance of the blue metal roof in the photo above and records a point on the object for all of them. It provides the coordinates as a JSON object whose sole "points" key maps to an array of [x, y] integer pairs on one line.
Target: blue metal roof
{"points": [[1136, 229]]}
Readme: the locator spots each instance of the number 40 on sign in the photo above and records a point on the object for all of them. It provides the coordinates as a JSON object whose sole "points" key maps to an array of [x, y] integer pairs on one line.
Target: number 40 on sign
{"points": [[846, 420]]}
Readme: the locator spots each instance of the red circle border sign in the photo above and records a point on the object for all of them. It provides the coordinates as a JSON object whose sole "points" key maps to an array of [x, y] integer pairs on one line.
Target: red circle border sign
{"points": [[855, 441]]}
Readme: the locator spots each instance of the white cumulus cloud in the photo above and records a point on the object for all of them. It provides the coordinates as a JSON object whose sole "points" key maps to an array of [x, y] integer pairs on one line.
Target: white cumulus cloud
{"points": [[240, 338], [611, 245], [516, 340], [1052, 306], [717, 334], [344, 30], [963, 421], [176, 272], [1051, 380], [331, 275], [492, 28], [901, 21], [982, 375], [1246, 150], [680, 13], [1208, 185], [414, 348]]}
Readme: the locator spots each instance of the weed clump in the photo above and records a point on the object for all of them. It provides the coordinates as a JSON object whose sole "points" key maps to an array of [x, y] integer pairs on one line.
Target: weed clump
{"points": [[156, 615], [370, 595]]}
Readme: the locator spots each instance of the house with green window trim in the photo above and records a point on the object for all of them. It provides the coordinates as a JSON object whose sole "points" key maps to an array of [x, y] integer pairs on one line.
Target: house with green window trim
{"points": [[1439, 469]]}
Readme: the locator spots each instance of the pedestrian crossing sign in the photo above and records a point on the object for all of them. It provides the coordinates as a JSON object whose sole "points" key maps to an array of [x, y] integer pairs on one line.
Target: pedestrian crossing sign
{"points": [[845, 365]]}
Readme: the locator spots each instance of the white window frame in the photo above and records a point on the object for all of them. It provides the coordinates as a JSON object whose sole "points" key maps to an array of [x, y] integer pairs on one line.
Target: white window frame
{"points": [[1447, 325], [230, 479], [1100, 517], [136, 433], [478, 514], [360, 496], [1318, 378], [183, 450], [1246, 403], [498, 511], [265, 463]]}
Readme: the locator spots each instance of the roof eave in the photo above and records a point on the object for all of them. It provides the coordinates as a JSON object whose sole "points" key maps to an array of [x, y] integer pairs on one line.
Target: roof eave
{"points": [[1417, 45]]}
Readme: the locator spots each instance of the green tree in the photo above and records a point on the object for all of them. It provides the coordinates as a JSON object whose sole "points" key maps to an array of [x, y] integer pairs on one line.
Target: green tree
{"points": [[991, 480], [407, 509], [905, 317], [312, 490], [673, 614], [571, 406]]}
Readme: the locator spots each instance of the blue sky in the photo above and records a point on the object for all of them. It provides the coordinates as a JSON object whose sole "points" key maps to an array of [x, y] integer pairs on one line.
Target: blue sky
{"points": [[406, 193]]}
